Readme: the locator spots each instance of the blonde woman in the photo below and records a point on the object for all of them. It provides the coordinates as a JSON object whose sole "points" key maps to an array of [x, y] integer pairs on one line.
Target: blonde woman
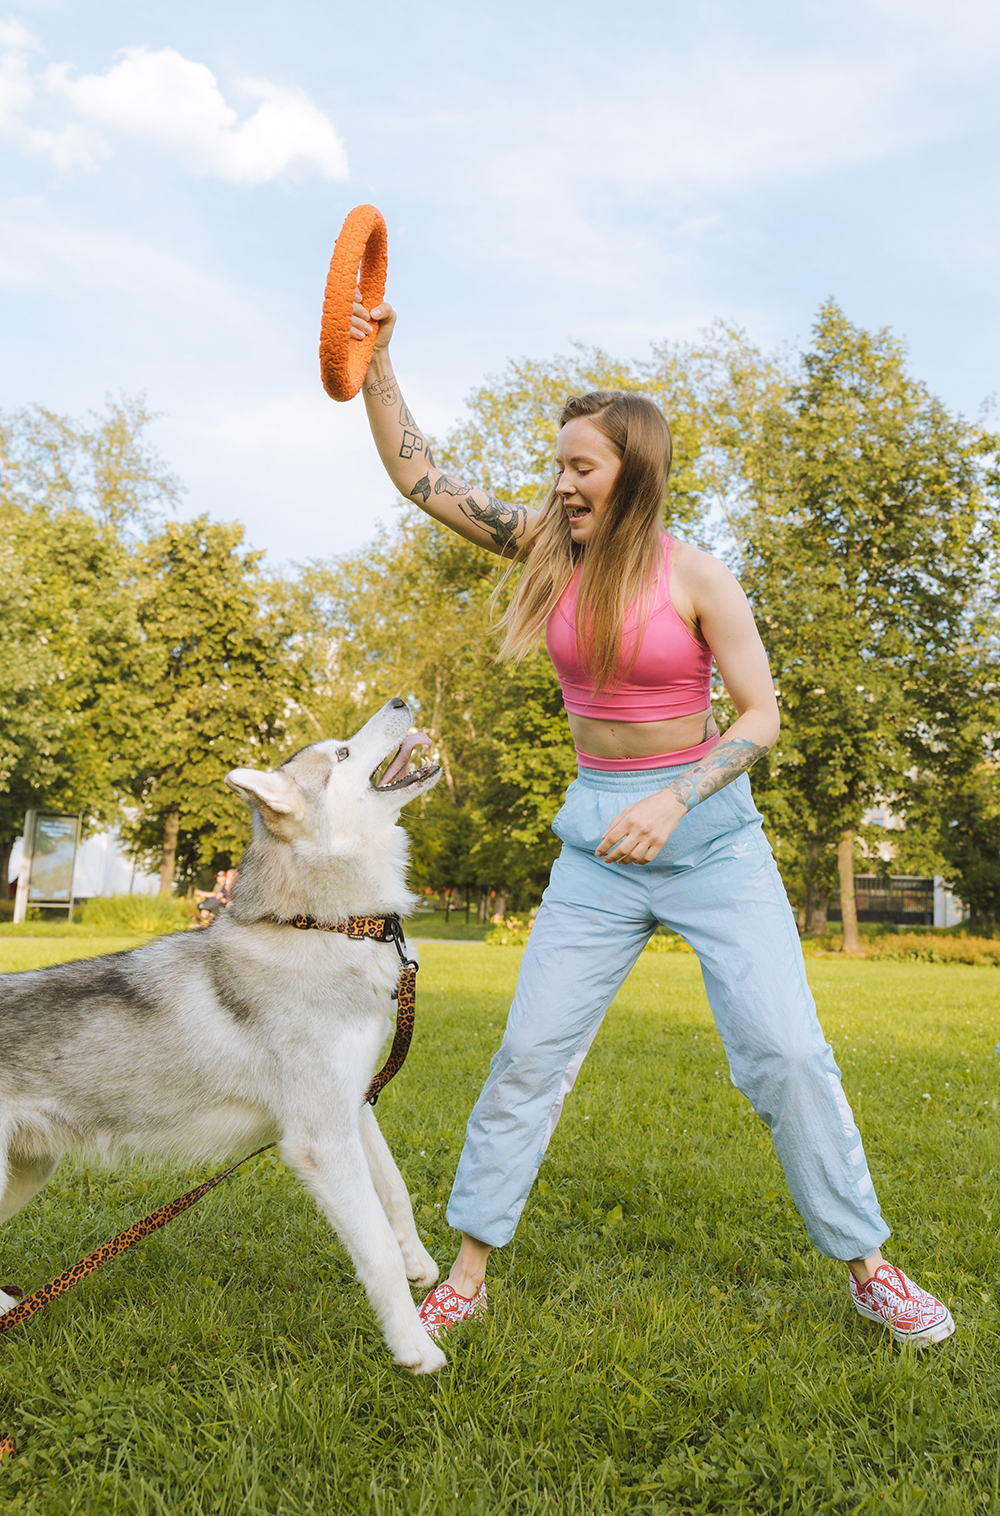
{"points": [[659, 827]]}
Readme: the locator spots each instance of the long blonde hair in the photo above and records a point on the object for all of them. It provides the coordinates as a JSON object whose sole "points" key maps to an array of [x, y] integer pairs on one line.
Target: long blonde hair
{"points": [[622, 561]]}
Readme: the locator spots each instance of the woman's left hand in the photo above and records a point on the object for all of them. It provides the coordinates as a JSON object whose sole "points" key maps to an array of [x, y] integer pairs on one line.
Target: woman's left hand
{"points": [[637, 834]]}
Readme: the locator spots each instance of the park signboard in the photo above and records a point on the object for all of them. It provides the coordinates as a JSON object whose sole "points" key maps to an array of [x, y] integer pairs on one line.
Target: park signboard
{"points": [[46, 877]]}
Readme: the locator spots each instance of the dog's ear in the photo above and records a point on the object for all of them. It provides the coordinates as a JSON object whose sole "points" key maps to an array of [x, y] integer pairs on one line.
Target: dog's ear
{"points": [[273, 790]]}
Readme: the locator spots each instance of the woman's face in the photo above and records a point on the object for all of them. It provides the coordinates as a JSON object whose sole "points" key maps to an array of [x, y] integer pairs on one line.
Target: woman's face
{"points": [[586, 469]]}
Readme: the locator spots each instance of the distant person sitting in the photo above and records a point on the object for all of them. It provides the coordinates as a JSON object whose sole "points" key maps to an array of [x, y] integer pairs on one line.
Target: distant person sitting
{"points": [[208, 907], [210, 902]]}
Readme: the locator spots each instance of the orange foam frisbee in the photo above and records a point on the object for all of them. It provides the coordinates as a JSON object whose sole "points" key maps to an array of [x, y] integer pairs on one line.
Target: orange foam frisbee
{"points": [[361, 246]]}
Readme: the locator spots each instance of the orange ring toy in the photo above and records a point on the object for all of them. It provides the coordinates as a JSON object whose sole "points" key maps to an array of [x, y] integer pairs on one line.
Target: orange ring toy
{"points": [[362, 244]]}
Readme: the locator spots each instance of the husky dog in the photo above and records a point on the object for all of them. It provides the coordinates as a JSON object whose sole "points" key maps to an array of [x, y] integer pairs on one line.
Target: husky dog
{"points": [[207, 1043]]}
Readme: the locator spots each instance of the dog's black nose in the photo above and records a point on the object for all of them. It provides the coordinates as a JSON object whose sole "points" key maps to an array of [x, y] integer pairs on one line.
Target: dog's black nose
{"points": [[396, 703]]}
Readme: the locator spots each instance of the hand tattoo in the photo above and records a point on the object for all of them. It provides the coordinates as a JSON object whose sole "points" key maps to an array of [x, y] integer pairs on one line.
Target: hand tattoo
{"points": [[422, 489], [385, 389], [724, 764]]}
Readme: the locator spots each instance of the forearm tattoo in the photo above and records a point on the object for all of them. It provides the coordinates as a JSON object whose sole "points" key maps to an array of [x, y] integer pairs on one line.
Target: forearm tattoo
{"points": [[724, 764], [385, 389], [503, 522]]}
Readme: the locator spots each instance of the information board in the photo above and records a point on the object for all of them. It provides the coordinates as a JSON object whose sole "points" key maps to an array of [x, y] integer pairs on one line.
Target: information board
{"points": [[53, 856], [47, 864]]}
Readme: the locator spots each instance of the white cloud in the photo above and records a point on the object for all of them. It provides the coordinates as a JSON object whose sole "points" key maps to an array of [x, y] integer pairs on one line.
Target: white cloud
{"points": [[13, 34], [171, 101], [67, 146]]}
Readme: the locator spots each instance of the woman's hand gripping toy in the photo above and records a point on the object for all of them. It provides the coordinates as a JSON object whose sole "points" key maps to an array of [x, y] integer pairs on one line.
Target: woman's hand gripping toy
{"points": [[343, 358]]}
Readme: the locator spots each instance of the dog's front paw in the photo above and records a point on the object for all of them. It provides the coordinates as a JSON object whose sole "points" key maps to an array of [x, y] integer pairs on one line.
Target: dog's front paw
{"points": [[422, 1356], [421, 1269]]}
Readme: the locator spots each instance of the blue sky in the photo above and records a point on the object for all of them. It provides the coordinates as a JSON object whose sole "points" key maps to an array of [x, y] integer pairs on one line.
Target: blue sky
{"points": [[173, 177]]}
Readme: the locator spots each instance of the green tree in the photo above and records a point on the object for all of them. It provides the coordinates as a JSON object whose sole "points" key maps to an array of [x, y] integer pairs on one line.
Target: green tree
{"points": [[219, 672], [68, 492], [865, 521], [970, 844], [69, 636]]}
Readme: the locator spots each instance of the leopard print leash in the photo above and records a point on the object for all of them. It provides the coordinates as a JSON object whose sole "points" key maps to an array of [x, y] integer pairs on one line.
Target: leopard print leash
{"points": [[374, 928], [380, 929]]}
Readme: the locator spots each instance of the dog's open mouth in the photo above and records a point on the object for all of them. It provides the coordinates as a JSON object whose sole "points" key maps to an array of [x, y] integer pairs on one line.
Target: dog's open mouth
{"points": [[396, 773]]}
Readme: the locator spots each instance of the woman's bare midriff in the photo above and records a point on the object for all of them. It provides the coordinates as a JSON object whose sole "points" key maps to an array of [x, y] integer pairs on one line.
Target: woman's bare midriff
{"points": [[640, 739]]}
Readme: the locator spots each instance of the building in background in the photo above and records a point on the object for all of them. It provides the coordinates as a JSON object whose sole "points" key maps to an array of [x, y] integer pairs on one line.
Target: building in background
{"points": [[102, 868], [904, 899]]}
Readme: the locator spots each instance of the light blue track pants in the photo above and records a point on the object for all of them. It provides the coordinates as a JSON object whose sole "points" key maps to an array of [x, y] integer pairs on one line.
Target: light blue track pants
{"points": [[715, 882]]}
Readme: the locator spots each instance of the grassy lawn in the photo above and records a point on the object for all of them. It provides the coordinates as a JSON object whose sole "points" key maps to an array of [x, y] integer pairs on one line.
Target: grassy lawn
{"points": [[447, 929], [662, 1337], [37, 951]]}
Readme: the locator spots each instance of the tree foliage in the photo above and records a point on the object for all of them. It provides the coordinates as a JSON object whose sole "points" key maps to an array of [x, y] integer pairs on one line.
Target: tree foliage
{"points": [[866, 533], [147, 658], [214, 691]]}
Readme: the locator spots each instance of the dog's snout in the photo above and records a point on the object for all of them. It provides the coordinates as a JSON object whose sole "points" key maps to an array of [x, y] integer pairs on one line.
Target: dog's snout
{"points": [[396, 703]]}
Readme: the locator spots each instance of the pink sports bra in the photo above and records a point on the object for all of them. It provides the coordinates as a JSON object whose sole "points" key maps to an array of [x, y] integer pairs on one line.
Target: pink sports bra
{"points": [[670, 677]]}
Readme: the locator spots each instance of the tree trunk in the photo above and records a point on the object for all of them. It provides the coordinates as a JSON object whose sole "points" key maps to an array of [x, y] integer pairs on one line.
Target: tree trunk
{"points": [[848, 908], [433, 730], [817, 895], [500, 909], [5, 849], [169, 860]]}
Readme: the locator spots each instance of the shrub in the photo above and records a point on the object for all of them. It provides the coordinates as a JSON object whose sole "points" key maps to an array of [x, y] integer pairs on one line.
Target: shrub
{"points": [[923, 948], [138, 913], [510, 933], [667, 942], [514, 933]]}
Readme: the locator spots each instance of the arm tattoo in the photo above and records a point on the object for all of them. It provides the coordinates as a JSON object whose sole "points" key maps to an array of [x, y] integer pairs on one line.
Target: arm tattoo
{"points": [[406, 416], [503, 522], [385, 389], [412, 443], [430, 458], [448, 486], [720, 768]]}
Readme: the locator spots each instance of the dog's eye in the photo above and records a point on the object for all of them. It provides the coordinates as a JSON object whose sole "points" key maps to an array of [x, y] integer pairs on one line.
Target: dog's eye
{"points": [[342, 753]]}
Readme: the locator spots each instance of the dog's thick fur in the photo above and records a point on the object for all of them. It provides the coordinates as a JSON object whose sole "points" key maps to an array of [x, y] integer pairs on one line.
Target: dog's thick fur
{"points": [[206, 1044]]}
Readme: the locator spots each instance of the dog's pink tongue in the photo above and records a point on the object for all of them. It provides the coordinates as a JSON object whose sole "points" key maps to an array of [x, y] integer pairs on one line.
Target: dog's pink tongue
{"points": [[397, 767]]}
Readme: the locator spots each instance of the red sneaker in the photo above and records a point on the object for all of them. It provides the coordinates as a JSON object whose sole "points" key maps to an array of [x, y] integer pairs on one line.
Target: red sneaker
{"points": [[910, 1313], [445, 1308]]}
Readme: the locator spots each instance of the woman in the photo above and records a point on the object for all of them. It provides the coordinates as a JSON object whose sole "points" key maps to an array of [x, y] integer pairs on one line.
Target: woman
{"points": [[659, 827]]}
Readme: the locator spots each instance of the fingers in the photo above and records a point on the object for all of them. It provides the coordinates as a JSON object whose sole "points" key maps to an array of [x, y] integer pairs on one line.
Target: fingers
{"points": [[629, 840], [360, 323], [386, 318]]}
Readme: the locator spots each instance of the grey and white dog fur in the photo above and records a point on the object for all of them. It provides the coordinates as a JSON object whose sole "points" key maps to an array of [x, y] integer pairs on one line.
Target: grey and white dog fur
{"points": [[206, 1044]]}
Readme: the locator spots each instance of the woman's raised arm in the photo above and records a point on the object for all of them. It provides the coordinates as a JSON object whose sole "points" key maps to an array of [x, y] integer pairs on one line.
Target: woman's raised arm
{"points": [[402, 446]]}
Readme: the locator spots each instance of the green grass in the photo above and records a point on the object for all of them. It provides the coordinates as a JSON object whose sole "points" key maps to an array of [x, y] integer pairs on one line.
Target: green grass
{"points": [[72, 930], [434, 924], [662, 1338], [38, 953]]}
